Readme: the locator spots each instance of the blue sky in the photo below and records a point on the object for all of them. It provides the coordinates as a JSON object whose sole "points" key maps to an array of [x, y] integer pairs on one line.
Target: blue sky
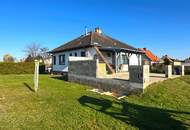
{"points": [[163, 26]]}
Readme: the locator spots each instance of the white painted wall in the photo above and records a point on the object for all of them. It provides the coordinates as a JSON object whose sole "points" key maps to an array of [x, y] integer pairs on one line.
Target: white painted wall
{"points": [[135, 60], [73, 58], [90, 52]]}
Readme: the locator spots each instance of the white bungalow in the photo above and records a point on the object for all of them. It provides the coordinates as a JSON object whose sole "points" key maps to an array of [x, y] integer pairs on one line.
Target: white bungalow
{"points": [[116, 54]]}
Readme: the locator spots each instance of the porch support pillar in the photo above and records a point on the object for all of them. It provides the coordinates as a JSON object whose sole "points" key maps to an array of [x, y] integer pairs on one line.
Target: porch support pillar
{"points": [[116, 62], [168, 71], [182, 69]]}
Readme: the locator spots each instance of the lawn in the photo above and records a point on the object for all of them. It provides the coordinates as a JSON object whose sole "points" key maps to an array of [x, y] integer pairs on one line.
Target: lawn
{"points": [[62, 105]]}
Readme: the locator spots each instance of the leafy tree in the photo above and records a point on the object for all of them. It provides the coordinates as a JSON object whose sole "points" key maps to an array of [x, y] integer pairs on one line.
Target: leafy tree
{"points": [[167, 61], [8, 58]]}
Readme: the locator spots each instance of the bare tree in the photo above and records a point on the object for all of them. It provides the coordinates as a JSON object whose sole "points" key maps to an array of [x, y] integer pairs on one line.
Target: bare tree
{"points": [[8, 58], [44, 53], [32, 50]]}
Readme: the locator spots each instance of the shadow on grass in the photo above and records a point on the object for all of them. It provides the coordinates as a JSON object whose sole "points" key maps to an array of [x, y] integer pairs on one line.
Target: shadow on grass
{"points": [[29, 87], [143, 117], [64, 77]]}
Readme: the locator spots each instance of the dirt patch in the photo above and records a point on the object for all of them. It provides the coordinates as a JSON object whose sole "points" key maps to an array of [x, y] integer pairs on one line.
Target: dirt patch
{"points": [[2, 108]]}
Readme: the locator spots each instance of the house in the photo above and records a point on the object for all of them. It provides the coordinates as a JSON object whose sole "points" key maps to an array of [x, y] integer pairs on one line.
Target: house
{"points": [[116, 54], [176, 63], [187, 62], [149, 58]]}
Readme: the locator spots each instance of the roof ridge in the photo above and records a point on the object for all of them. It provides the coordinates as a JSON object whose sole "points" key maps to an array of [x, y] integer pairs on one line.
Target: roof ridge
{"points": [[91, 33]]}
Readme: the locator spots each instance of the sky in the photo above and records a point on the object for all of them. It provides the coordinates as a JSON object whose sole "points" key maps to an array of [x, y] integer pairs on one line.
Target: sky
{"points": [[162, 26]]}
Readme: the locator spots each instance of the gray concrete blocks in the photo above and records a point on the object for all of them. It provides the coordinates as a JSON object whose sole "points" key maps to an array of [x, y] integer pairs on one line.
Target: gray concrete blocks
{"points": [[139, 74]]}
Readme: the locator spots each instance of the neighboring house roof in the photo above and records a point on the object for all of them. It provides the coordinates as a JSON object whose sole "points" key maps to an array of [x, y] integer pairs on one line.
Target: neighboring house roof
{"points": [[91, 39], [187, 60], [150, 55], [171, 59]]}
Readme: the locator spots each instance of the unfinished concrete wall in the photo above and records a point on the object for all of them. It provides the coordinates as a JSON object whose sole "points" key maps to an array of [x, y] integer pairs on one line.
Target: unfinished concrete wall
{"points": [[168, 71], [87, 67], [139, 76], [119, 87], [83, 68], [91, 72]]}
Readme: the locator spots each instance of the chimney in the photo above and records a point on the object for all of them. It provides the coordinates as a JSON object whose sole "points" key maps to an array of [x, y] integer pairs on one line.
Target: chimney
{"points": [[98, 30], [86, 30]]}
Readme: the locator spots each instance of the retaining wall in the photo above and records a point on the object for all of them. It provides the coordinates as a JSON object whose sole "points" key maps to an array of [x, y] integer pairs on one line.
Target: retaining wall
{"points": [[120, 87], [91, 72]]}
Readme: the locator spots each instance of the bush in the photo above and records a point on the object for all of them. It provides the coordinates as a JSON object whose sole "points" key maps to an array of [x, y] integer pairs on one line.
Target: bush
{"points": [[157, 68], [187, 69], [19, 68]]}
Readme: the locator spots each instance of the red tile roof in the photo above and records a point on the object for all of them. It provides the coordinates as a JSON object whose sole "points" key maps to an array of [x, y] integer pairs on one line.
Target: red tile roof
{"points": [[150, 55]]}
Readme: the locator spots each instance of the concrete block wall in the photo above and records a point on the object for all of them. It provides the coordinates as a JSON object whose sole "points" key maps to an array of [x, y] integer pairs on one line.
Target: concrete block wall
{"points": [[91, 72], [146, 75], [119, 87], [84, 67], [139, 76]]}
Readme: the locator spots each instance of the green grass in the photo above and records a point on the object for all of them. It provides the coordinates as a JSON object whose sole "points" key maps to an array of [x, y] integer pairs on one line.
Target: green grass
{"points": [[62, 105]]}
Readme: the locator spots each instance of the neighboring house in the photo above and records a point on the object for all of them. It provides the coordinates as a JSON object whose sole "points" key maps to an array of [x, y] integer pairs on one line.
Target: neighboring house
{"points": [[149, 57], [48, 63], [114, 53], [172, 61], [187, 62], [176, 63]]}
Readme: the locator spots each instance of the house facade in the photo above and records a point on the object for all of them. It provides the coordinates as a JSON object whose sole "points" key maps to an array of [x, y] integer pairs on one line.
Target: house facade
{"points": [[116, 54], [149, 58]]}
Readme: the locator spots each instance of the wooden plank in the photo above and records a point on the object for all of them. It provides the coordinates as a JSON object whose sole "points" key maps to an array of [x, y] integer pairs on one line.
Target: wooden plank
{"points": [[104, 59]]}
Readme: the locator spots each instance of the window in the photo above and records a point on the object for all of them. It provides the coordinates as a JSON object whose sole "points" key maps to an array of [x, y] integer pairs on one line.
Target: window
{"points": [[125, 59], [108, 54], [54, 60], [61, 59], [75, 54], [83, 54], [70, 54]]}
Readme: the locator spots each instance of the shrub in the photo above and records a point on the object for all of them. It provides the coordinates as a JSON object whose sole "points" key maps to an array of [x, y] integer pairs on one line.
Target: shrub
{"points": [[187, 69], [157, 68], [19, 68]]}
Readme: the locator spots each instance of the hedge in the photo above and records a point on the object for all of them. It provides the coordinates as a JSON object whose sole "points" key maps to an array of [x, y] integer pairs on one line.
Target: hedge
{"points": [[187, 69], [19, 68], [157, 68]]}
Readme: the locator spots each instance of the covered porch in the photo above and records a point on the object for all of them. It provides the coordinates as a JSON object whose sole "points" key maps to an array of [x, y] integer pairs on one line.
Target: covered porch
{"points": [[120, 59]]}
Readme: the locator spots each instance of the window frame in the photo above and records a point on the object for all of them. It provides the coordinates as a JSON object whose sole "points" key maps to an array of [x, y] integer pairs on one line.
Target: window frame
{"points": [[125, 59], [54, 60], [62, 59], [83, 52]]}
